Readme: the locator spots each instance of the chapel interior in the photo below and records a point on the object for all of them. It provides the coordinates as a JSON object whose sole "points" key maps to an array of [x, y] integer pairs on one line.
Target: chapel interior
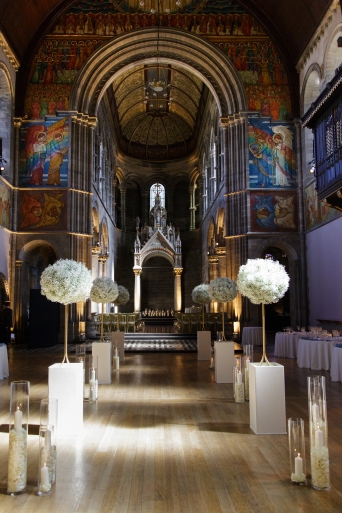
{"points": [[164, 143]]}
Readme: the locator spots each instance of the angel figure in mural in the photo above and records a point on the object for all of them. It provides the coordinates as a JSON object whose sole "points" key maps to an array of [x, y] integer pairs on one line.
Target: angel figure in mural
{"points": [[35, 152], [282, 155]]}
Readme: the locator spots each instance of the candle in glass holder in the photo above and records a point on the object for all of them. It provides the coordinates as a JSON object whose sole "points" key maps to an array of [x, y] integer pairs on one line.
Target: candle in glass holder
{"points": [[298, 467], [18, 420]]}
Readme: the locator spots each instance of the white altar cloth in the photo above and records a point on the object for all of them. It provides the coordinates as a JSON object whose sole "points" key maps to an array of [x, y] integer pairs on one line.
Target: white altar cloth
{"points": [[315, 354], [252, 335], [286, 343], [4, 372], [336, 364]]}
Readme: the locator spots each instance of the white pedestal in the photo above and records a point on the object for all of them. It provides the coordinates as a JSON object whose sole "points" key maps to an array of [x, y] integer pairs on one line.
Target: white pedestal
{"points": [[267, 399], [103, 351], [118, 337], [224, 362], [66, 385], [203, 345]]}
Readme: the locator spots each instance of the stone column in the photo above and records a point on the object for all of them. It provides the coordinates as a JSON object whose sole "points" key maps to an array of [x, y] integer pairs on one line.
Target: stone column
{"points": [[137, 290], [123, 206], [178, 288], [18, 300], [192, 209]]}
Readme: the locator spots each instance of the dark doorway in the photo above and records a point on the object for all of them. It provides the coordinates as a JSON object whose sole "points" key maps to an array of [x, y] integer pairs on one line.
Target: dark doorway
{"points": [[43, 321], [277, 315]]}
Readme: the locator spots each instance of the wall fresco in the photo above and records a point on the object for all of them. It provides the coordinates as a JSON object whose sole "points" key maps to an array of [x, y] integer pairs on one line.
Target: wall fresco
{"points": [[42, 210], [272, 153], [90, 23], [273, 211], [317, 212], [5, 204], [44, 153]]}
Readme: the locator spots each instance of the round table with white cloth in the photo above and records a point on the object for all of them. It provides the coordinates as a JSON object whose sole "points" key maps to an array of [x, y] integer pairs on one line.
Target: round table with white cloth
{"points": [[4, 372], [336, 364], [286, 343], [315, 354], [252, 335]]}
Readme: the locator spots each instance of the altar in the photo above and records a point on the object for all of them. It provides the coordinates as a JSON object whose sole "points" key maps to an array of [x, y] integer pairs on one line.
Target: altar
{"points": [[158, 324]]}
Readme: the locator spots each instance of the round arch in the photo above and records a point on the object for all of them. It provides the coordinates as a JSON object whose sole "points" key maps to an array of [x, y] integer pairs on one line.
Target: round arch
{"points": [[187, 50]]}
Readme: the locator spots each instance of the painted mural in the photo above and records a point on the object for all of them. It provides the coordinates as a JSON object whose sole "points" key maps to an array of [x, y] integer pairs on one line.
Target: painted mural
{"points": [[272, 153], [317, 212], [44, 153], [90, 23], [5, 204], [273, 211], [42, 210]]}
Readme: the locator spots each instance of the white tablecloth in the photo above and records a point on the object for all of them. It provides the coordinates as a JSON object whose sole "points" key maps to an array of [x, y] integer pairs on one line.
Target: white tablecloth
{"points": [[315, 354], [4, 373], [252, 335], [286, 343], [336, 364]]}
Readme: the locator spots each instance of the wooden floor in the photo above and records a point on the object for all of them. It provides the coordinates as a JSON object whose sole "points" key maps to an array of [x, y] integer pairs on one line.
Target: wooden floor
{"points": [[164, 437]]}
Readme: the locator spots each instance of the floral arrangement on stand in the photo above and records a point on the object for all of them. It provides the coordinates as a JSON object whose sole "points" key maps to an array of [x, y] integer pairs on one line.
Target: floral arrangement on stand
{"points": [[263, 281], [104, 290], [223, 290], [121, 299], [66, 282], [200, 294]]}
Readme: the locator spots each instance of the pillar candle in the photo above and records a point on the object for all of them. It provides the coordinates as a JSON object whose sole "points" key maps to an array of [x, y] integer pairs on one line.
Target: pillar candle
{"points": [[319, 439], [18, 420], [298, 466], [44, 475], [239, 377], [93, 375]]}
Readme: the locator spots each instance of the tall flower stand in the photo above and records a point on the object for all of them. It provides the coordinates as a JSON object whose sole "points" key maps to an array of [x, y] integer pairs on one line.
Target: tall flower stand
{"points": [[203, 345], [267, 398], [66, 385], [103, 351], [118, 340], [224, 361]]}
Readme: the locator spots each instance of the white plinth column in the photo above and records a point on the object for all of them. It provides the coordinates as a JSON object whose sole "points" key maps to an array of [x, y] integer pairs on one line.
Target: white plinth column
{"points": [[267, 398], [66, 385], [224, 362], [137, 290], [178, 288], [103, 351], [203, 345], [118, 338]]}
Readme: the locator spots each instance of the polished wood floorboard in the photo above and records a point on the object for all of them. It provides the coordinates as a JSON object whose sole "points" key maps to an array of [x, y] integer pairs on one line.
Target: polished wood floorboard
{"points": [[165, 438]]}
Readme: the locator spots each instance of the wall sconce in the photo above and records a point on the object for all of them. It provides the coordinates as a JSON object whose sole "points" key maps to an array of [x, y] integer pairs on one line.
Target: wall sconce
{"points": [[312, 165]]}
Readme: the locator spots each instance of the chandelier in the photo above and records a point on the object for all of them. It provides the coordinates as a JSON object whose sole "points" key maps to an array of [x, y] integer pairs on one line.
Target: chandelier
{"points": [[157, 87]]}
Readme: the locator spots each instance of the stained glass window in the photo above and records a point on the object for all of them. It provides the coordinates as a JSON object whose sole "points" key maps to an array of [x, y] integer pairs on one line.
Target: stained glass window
{"points": [[155, 189]]}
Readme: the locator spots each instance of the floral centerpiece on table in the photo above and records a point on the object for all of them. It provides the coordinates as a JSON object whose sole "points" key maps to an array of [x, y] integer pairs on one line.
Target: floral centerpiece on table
{"points": [[104, 290], [263, 281], [66, 281], [122, 299], [223, 290], [200, 294]]}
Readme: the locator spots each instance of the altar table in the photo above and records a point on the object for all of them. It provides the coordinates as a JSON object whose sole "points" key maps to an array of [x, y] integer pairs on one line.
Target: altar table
{"points": [[336, 364], [315, 354], [252, 335], [4, 372], [286, 343]]}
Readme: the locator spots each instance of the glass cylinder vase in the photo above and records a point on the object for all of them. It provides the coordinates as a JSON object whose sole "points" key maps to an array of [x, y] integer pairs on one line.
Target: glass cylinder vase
{"points": [[47, 460], [18, 428], [116, 357], [80, 356], [247, 359], [318, 430], [239, 388], [297, 451], [49, 412], [93, 379]]}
